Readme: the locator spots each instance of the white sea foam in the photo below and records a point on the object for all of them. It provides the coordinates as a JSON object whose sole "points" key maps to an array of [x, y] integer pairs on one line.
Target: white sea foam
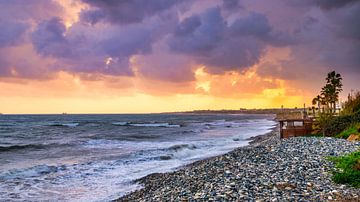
{"points": [[103, 168], [32, 172], [65, 124], [70, 124], [120, 123], [222, 123], [167, 125]]}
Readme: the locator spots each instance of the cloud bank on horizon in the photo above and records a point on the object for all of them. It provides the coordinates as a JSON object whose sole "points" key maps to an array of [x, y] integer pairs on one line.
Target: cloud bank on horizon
{"points": [[176, 41]]}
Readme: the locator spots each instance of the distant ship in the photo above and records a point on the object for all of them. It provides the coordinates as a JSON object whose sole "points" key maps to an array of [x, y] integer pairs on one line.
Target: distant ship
{"points": [[64, 113]]}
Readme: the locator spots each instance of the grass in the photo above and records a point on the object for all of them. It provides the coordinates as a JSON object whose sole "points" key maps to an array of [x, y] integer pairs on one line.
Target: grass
{"points": [[348, 169], [353, 129]]}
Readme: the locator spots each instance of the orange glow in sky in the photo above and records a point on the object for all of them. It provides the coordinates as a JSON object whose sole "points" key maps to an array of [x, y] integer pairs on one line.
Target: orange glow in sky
{"points": [[69, 93], [78, 56]]}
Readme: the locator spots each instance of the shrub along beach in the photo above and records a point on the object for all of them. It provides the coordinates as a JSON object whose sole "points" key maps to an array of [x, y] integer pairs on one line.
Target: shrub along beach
{"points": [[323, 166]]}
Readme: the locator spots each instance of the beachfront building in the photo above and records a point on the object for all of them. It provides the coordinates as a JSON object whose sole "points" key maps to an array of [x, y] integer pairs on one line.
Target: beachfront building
{"points": [[295, 127]]}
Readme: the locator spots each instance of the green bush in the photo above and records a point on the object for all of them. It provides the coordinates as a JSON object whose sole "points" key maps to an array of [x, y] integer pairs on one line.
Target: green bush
{"points": [[320, 125], [348, 169], [340, 123], [353, 129], [352, 105]]}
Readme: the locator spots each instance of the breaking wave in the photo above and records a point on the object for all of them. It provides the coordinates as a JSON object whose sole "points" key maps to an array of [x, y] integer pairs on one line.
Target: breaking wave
{"points": [[166, 125], [27, 146], [65, 124]]}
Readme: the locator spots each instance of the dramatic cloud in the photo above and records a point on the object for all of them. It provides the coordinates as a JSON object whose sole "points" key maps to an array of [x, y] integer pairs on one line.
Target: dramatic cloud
{"points": [[325, 39], [231, 4], [11, 33], [199, 35], [222, 47], [49, 39], [168, 41], [79, 51], [99, 49], [166, 67], [331, 4], [345, 22], [124, 11], [27, 10], [17, 16]]}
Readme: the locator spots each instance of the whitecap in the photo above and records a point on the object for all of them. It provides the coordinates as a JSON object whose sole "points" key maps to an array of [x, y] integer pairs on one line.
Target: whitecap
{"points": [[120, 123], [65, 124], [167, 125], [70, 124]]}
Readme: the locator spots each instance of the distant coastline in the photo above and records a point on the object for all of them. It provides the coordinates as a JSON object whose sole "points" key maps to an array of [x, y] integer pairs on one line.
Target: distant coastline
{"points": [[245, 111], [207, 111]]}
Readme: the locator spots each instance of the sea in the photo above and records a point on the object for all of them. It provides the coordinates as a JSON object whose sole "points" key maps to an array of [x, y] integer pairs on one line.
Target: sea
{"points": [[98, 157]]}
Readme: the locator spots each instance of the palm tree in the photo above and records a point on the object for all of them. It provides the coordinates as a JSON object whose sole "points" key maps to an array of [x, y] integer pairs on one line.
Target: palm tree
{"points": [[330, 92], [317, 101], [313, 110]]}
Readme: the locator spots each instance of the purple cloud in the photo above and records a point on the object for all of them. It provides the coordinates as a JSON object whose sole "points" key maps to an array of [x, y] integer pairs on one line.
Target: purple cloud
{"points": [[166, 67], [15, 16], [11, 33], [231, 4], [124, 11], [25, 10], [326, 39], [253, 25], [79, 51], [229, 36], [199, 34], [333, 4], [105, 50], [211, 41], [49, 39]]}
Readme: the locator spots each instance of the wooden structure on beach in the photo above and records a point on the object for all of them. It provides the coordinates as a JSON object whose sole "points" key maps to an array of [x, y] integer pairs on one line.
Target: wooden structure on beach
{"points": [[294, 123], [295, 127]]}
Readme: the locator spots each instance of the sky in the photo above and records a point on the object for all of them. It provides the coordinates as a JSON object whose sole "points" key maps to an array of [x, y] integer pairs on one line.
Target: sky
{"points": [[141, 56]]}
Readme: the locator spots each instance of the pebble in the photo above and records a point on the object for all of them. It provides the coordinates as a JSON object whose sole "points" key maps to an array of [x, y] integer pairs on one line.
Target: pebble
{"points": [[293, 169]]}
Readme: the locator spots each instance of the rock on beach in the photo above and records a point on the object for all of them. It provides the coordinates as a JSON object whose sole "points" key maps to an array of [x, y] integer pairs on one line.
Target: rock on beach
{"points": [[294, 169]]}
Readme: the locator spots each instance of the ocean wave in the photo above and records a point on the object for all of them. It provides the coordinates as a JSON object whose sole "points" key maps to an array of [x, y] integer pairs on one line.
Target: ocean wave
{"points": [[182, 146], [192, 131], [35, 171], [164, 157], [165, 125], [27, 146], [19, 147], [65, 124], [103, 144], [185, 152], [177, 151], [120, 123], [7, 124], [222, 123]]}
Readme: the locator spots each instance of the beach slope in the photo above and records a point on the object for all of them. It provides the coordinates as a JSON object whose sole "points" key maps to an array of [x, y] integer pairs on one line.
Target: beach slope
{"points": [[271, 170]]}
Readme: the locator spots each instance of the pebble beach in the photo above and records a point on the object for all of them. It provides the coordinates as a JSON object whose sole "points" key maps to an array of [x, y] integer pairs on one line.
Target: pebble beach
{"points": [[269, 169]]}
